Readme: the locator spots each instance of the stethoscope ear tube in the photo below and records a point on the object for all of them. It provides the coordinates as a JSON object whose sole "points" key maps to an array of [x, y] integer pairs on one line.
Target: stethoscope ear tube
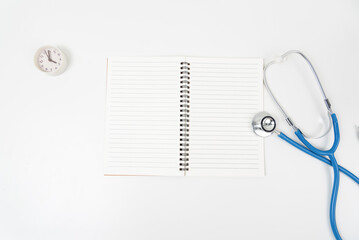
{"points": [[286, 116]]}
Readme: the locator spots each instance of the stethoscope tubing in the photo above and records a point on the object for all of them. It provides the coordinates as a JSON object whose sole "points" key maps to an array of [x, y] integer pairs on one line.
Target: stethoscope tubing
{"points": [[321, 158], [335, 145], [319, 154], [336, 169], [336, 180]]}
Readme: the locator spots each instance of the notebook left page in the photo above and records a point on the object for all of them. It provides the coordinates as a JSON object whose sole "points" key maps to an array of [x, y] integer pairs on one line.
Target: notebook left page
{"points": [[142, 116]]}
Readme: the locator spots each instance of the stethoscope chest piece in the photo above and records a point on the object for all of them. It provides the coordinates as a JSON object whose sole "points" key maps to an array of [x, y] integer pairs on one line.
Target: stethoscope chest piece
{"points": [[263, 124]]}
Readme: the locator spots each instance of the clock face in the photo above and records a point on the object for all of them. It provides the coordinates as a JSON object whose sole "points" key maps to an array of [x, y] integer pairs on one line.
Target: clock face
{"points": [[50, 59]]}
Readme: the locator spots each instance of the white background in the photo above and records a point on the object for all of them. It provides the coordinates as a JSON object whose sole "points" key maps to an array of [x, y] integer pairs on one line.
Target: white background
{"points": [[52, 128]]}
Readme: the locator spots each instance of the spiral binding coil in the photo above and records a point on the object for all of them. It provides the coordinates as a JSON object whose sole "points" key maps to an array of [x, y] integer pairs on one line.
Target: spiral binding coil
{"points": [[184, 115]]}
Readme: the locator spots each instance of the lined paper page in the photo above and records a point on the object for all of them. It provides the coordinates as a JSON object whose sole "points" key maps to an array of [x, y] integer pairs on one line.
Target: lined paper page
{"points": [[142, 130], [225, 94]]}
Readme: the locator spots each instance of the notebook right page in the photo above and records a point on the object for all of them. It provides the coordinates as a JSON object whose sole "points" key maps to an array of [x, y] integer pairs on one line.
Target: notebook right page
{"points": [[225, 93]]}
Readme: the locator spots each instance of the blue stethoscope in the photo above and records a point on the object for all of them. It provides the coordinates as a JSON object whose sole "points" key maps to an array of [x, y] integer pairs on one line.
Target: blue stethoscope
{"points": [[264, 125]]}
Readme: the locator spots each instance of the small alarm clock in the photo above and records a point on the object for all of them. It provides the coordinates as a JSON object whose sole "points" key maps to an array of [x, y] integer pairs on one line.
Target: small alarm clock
{"points": [[50, 60]]}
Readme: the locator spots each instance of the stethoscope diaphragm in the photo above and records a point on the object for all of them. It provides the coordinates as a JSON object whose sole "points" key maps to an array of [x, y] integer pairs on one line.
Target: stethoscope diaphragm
{"points": [[263, 124]]}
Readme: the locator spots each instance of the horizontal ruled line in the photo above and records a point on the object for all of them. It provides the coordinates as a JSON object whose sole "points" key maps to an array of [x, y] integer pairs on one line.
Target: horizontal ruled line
{"points": [[141, 148], [141, 102], [152, 111], [159, 75], [223, 88], [236, 158], [222, 154], [224, 163], [229, 108], [213, 135], [221, 99], [211, 67], [211, 94], [135, 134], [133, 157], [112, 139], [176, 65], [231, 168], [154, 96], [144, 125], [223, 63], [224, 72], [231, 113], [219, 77], [147, 153], [248, 102], [126, 166], [137, 88], [129, 61], [233, 127], [243, 116], [193, 81], [137, 120], [150, 71], [153, 142], [149, 84], [222, 140], [224, 144], [147, 162], [225, 122], [144, 93]]}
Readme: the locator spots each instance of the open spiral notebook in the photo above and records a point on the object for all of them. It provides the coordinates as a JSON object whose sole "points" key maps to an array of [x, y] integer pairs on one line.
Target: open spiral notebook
{"points": [[183, 116]]}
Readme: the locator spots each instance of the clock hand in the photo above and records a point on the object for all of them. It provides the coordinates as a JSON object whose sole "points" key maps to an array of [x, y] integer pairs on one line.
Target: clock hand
{"points": [[48, 57]]}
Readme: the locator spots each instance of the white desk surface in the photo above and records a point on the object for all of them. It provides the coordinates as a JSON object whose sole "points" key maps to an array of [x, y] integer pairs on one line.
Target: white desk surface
{"points": [[52, 128]]}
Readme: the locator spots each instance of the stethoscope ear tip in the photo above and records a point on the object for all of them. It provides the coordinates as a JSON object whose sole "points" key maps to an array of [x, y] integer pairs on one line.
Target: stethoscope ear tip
{"points": [[263, 124]]}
